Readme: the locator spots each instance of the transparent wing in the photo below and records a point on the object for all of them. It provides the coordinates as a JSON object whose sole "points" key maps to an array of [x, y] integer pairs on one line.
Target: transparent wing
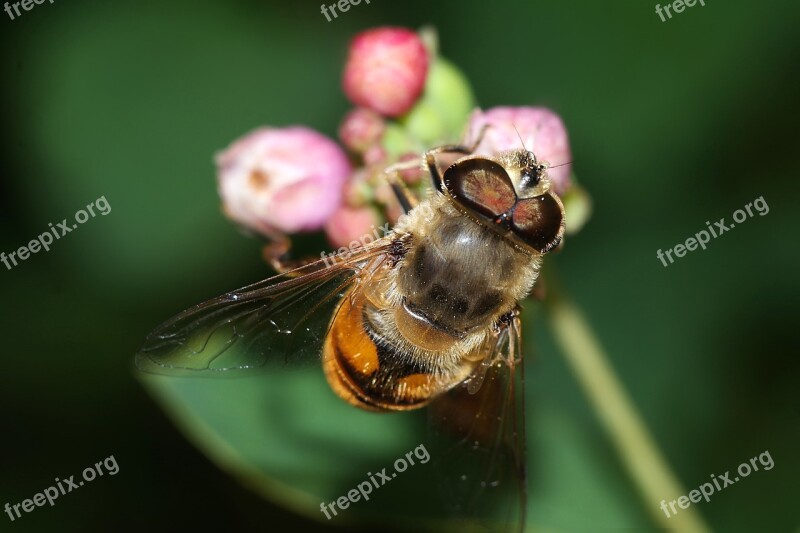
{"points": [[279, 321], [479, 438]]}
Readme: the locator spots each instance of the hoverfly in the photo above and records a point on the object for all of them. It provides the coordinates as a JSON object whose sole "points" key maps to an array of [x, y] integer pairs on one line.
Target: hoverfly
{"points": [[428, 315]]}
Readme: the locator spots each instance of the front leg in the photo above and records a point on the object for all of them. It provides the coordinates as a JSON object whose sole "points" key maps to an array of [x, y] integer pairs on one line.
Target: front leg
{"points": [[430, 156], [276, 253]]}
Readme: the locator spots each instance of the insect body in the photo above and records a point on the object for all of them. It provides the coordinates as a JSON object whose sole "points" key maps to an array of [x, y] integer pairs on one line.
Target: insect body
{"points": [[427, 313], [428, 320]]}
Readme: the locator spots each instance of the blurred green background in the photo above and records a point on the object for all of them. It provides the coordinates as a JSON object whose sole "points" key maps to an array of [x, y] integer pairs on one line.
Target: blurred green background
{"points": [[671, 123]]}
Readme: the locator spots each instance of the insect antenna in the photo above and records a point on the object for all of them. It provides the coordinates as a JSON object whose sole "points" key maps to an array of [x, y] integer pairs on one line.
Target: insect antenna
{"points": [[520, 137]]}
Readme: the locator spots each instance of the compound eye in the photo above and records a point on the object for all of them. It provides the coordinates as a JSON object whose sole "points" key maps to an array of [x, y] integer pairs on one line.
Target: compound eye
{"points": [[539, 222], [481, 185]]}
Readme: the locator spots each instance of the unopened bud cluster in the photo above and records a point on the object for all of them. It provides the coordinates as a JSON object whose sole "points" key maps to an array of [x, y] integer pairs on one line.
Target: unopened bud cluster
{"points": [[406, 99]]}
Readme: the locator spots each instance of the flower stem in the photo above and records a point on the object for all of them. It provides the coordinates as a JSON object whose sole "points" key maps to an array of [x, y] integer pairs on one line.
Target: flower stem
{"points": [[635, 446]]}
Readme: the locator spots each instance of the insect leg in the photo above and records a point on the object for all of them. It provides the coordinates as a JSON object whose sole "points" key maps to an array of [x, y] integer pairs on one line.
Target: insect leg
{"points": [[430, 156], [276, 253], [404, 197]]}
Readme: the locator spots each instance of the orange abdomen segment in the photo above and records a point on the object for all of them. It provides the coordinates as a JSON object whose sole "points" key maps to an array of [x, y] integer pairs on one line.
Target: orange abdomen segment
{"points": [[369, 374]]}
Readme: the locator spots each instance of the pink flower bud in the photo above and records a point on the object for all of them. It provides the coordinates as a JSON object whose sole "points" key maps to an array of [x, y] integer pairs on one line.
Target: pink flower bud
{"points": [[386, 69], [285, 179], [375, 155], [357, 191], [541, 130], [348, 225], [361, 128]]}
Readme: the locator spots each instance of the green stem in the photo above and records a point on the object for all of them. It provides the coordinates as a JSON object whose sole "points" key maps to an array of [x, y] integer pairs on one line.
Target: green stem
{"points": [[635, 446]]}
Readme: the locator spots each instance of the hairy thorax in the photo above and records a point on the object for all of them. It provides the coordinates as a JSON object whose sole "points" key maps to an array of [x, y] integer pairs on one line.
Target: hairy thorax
{"points": [[454, 282]]}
